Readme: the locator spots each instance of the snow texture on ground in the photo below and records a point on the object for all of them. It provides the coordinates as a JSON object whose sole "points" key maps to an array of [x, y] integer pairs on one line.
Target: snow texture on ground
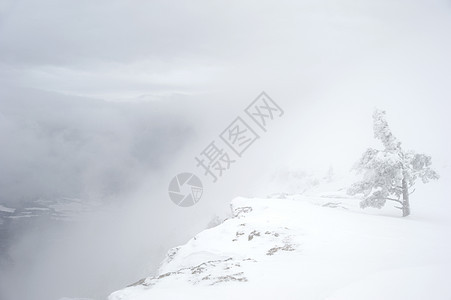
{"points": [[305, 247]]}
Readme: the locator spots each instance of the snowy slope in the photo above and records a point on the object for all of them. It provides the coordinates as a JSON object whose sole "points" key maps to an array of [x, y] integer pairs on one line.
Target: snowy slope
{"points": [[300, 248]]}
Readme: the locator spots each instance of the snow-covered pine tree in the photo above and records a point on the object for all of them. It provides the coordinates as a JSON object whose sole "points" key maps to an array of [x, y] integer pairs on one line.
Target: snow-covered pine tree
{"points": [[389, 174]]}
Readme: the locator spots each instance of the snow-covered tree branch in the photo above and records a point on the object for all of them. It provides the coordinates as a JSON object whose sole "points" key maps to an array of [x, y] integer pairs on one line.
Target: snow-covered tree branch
{"points": [[388, 174]]}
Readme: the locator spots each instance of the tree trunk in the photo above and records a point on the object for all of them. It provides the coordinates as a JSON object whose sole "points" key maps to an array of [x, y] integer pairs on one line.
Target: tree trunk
{"points": [[405, 199]]}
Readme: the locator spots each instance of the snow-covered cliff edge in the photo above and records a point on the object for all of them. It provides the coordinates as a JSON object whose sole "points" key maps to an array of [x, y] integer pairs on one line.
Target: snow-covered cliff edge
{"points": [[304, 248]]}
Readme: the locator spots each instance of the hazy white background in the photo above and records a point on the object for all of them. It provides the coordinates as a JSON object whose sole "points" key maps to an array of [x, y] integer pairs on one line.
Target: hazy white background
{"points": [[107, 101]]}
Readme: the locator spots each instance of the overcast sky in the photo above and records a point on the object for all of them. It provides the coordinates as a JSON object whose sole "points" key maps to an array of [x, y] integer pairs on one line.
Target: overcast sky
{"points": [[181, 72], [127, 49]]}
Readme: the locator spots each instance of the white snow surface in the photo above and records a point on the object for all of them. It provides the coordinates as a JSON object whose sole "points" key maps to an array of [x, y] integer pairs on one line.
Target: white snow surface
{"points": [[305, 247]]}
